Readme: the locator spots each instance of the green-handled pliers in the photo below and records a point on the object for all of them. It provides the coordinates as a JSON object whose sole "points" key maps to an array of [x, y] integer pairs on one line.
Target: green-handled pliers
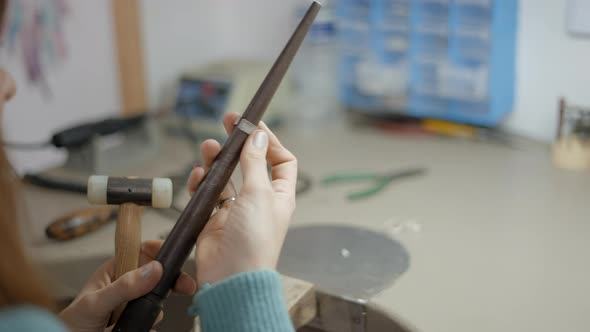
{"points": [[380, 180]]}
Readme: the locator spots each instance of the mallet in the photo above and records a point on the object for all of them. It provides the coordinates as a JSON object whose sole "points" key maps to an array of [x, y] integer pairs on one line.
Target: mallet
{"points": [[130, 194]]}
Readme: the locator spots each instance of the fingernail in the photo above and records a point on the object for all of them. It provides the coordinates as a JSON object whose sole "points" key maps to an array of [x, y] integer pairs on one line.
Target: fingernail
{"points": [[146, 270], [260, 139], [197, 165]]}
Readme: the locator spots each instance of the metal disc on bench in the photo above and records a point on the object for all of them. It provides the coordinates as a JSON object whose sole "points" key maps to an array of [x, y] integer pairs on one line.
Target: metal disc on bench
{"points": [[342, 260]]}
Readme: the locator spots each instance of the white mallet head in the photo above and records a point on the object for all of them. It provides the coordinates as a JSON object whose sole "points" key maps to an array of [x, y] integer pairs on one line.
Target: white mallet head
{"points": [[156, 192]]}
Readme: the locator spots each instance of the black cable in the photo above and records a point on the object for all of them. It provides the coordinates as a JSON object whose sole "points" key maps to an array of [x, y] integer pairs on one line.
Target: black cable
{"points": [[26, 146], [55, 184], [81, 134]]}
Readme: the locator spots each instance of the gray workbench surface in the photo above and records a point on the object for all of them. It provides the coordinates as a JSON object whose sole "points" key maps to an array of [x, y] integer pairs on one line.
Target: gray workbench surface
{"points": [[497, 237]]}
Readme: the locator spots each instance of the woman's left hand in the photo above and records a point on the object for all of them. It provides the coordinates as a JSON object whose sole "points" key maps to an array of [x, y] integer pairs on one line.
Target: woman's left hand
{"points": [[91, 309]]}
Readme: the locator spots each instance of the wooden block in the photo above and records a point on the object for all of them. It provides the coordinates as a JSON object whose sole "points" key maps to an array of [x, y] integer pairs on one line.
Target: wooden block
{"points": [[300, 298]]}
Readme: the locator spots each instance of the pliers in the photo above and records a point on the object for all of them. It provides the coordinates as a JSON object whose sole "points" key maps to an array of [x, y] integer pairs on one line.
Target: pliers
{"points": [[380, 180]]}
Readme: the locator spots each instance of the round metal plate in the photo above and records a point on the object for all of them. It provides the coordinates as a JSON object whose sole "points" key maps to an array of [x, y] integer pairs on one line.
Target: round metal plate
{"points": [[342, 260]]}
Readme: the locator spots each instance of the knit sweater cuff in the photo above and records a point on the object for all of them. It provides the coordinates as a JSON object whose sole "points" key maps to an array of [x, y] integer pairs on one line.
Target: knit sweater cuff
{"points": [[249, 301]]}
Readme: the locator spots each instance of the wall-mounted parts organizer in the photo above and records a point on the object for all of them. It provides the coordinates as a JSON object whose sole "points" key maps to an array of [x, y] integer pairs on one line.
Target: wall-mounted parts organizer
{"points": [[448, 59]]}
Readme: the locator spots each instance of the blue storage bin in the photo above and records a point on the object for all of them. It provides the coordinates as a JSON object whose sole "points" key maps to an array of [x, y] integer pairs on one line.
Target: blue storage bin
{"points": [[447, 59]]}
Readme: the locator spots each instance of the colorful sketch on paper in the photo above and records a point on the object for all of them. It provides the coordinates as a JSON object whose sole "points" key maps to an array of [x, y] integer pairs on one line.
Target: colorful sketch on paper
{"points": [[34, 31]]}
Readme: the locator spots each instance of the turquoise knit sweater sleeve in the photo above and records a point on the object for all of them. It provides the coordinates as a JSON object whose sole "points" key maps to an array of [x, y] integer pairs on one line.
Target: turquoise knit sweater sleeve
{"points": [[29, 319], [246, 302]]}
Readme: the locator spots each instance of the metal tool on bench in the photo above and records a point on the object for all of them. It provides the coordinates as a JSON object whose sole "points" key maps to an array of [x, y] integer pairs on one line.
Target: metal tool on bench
{"points": [[380, 180], [80, 222], [130, 194], [348, 267], [571, 151], [108, 145]]}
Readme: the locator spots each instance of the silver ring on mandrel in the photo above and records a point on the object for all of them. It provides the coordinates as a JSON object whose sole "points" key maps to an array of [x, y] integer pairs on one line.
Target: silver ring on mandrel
{"points": [[225, 201]]}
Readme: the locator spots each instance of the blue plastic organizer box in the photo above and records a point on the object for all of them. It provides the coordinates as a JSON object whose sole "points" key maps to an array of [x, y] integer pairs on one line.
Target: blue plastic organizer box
{"points": [[446, 59]]}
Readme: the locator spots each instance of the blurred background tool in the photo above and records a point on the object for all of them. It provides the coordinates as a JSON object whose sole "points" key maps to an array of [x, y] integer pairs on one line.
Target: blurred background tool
{"points": [[380, 181], [416, 126], [208, 91], [571, 150], [81, 134], [110, 145], [102, 146], [80, 222], [459, 130]]}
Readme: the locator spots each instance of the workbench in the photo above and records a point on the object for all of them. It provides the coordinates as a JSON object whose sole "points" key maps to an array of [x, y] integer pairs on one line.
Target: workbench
{"points": [[499, 240]]}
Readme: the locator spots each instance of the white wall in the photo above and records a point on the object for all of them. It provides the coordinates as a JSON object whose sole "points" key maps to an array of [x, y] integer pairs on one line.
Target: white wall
{"points": [[84, 87], [181, 34], [550, 63]]}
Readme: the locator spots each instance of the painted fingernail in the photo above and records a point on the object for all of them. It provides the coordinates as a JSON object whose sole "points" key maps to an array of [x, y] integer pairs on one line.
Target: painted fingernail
{"points": [[260, 139], [146, 270]]}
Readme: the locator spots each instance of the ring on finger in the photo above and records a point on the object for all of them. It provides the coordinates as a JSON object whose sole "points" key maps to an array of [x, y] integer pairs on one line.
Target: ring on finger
{"points": [[230, 189], [225, 201]]}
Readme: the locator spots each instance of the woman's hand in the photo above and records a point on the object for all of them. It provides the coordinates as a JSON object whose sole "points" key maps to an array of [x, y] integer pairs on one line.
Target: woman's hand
{"points": [[91, 309], [248, 233]]}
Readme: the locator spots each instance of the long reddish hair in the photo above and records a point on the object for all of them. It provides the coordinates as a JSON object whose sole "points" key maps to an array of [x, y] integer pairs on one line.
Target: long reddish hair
{"points": [[19, 281]]}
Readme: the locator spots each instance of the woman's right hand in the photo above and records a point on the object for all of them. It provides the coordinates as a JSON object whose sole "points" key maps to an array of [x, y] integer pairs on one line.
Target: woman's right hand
{"points": [[248, 233]]}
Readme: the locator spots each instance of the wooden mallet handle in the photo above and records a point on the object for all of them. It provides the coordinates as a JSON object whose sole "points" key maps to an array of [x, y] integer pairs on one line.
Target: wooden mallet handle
{"points": [[129, 194], [127, 245]]}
